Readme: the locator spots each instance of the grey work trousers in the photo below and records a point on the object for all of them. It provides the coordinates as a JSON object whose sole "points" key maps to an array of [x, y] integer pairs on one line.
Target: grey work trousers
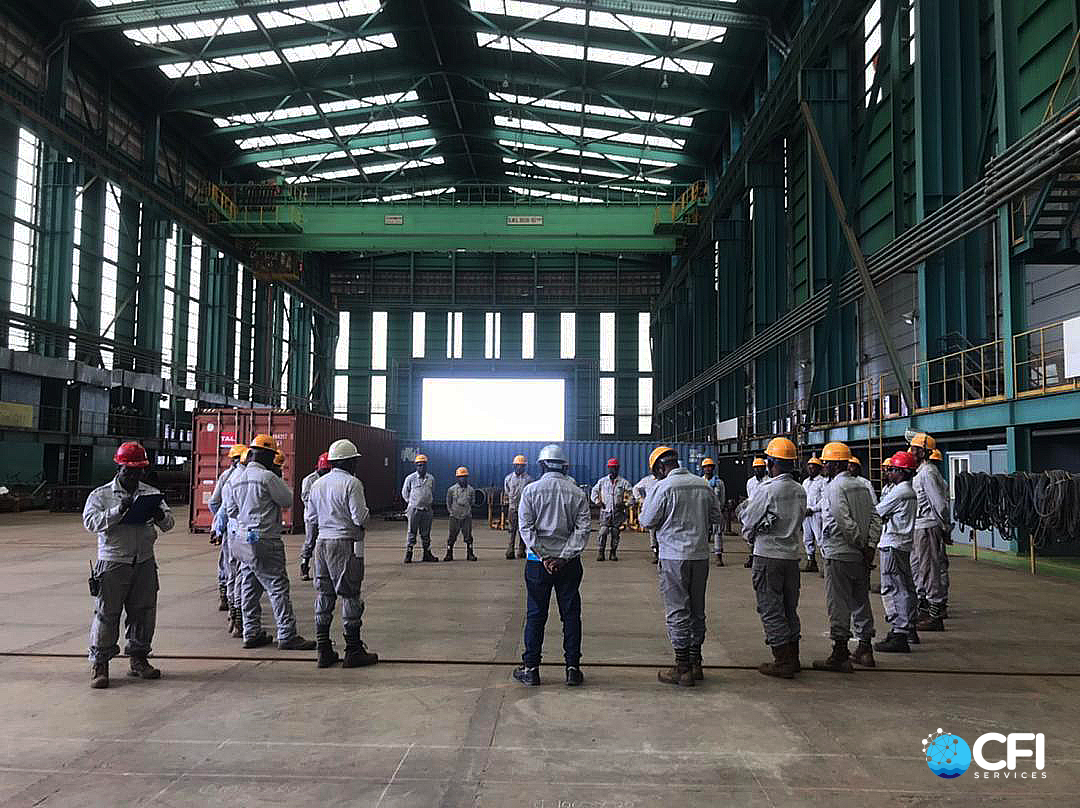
{"points": [[847, 599], [128, 588], [234, 583], [718, 539], [462, 526], [339, 573], [654, 545], [223, 562], [898, 596], [419, 523], [776, 589], [610, 524], [927, 563], [682, 587], [262, 568], [515, 534]]}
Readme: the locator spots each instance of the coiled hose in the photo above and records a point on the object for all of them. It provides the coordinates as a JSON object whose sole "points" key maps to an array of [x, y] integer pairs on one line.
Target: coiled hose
{"points": [[1046, 505]]}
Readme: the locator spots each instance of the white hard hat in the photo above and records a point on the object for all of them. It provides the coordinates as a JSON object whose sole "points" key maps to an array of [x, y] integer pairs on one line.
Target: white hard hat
{"points": [[343, 449], [553, 453]]}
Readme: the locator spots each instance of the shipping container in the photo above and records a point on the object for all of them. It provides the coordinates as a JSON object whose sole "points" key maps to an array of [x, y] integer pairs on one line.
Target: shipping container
{"points": [[302, 437]]}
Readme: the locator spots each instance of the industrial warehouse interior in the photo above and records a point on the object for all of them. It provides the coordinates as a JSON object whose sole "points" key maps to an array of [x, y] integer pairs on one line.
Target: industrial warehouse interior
{"points": [[338, 338]]}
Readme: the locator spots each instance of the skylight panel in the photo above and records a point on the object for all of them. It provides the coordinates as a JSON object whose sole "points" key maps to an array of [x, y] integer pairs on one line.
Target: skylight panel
{"points": [[323, 133], [595, 172], [412, 195], [325, 175], [593, 109], [524, 144], [629, 189], [589, 132], [552, 195], [606, 55], [300, 53], [319, 12], [278, 162], [309, 111], [403, 165]]}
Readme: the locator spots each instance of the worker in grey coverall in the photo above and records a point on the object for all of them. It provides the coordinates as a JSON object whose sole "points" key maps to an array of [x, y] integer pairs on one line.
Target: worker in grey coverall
{"points": [[773, 518], [336, 514], [709, 475], [814, 486], [641, 493], [418, 491], [459, 501], [851, 529], [682, 509], [125, 571], [254, 499], [513, 485], [322, 468], [214, 503], [610, 493], [759, 470], [932, 525], [898, 509]]}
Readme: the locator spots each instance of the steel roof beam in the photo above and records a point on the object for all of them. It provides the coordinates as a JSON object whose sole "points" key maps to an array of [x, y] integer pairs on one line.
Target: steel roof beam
{"points": [[316, 147], [243, 130], [167, 12], [701, 11]]}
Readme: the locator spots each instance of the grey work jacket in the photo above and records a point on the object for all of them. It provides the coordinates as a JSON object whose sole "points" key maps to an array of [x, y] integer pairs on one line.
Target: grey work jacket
{"points": [[132, 544]]}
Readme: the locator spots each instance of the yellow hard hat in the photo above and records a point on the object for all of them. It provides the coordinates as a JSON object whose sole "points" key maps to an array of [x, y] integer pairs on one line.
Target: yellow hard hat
{"points": [[708, 461], [759, 461], [279, 459], [519, 460], [924, 441], [887, 464], [836, 451], [855, 460], [244, 457], [781, 449], [657, 453], [814, 461], [237, 450], [420, 458], [461, 472], [264, 442], [936, 454]]}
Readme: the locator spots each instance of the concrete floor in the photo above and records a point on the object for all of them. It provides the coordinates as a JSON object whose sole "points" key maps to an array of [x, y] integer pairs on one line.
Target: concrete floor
{"points": [[441, 723]]}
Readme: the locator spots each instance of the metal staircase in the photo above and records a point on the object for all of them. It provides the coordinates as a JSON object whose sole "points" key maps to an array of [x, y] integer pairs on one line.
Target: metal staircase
{"points": [[1046, 218]]}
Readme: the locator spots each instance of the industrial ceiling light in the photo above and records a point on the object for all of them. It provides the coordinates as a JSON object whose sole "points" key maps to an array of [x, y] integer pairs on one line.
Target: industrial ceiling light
{"points": [[910, 317], [198, 82], [664, 82], [506, 81]]}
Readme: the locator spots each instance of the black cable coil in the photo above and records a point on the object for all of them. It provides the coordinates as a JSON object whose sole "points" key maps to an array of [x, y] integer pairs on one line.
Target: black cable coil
{"points": [[1045, 505]]}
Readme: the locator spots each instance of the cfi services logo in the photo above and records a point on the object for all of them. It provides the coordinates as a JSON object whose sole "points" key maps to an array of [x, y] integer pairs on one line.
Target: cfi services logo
{"points": [[946, 754]]}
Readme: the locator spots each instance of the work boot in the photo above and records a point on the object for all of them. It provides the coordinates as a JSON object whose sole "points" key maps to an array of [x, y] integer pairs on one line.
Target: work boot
{"points": [[612, 556], [782, 665], [656, 556], [296, 643], [945, 611], [682, 674], [258, 641], [574, 677], [796, 665], [749, 561], [328, 657], [428, 555], [695, 664], [138, 666], [356, 653], [527, 676], [469, 554], [238, 625], [811, 564], [839, 661], [521, 551], [408, 556], [719, 560], [223, 604], [99, 675], [449, 554], [931, 623], [913, 636], [600, 555], [510, 551], [894, 643], [864, 655]]}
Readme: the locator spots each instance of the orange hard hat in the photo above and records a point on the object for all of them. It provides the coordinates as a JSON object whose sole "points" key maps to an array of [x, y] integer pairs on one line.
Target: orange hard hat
{"points": [[237, 450], [461, 472], [420, 458], [657, 453], [836, 451], [759, 461], [519, 460], [264, 442], [924, 441], [781, 449]]}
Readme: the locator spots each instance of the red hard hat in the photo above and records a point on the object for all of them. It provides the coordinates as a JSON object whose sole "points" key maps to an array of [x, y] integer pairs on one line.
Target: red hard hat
{"points": [[612, 462], [131, 454], [324, 462], [904, 460]]}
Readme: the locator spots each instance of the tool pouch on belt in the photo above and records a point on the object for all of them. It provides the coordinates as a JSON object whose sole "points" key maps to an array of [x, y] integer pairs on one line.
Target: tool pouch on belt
{"points": [[94, 582], [252, 536]]}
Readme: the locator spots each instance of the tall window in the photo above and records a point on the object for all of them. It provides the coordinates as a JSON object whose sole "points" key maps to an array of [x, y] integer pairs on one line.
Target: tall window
{"points": [[607, 405], [528, 335], [871, 46], [168, 306], [911, 32], [607, 342], [341, 363], [191, 357], [644, 353], [418, 334], [110, 256], [567, 335], [286, 337], [378, 401], [237, 325], [24, 231], [378, 340], [645, 405], [454, 323], [341, 397], [76, 253], [251, 342], [492, 335]]}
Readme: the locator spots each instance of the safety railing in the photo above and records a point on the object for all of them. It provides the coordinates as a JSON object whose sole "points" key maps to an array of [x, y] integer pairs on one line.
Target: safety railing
{"points": [[848, 404], [1039, 362], [286, 215], [964, 378]]}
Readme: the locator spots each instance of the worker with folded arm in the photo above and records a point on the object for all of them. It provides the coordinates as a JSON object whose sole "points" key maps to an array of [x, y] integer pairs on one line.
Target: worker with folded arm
{"points": [[336, 514], [611, 492], [322, 468], [682, 509], [759, 469], [773, 518], [937, 459], [216, 537], [459, 502], [255, 499], [855, 470], [554, 519], [708, 473], [125, 576], [851, 529], [814, 486], [225, 526], [933, 524], [418, 491], [898, 508], [641, 493], [513, 485]]}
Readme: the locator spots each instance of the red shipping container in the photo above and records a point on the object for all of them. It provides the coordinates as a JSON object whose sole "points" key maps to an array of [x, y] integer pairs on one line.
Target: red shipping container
{"points": [[302, 437]]}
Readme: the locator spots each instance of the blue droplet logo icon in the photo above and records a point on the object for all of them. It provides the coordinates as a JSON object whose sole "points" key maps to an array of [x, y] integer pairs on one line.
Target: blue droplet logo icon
{"points": [[946, 754]]}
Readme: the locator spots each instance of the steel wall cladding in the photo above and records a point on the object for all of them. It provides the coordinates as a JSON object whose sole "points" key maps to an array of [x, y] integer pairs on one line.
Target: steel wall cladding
{"points": [[490, 461], [302, 437]]}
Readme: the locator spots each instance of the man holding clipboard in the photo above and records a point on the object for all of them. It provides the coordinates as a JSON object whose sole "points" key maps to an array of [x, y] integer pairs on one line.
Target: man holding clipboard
{"points": [[126, 515]]}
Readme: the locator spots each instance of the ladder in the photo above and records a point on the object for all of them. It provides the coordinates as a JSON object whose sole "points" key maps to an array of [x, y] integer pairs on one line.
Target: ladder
{"points": [[73, 465], [875, 412]]}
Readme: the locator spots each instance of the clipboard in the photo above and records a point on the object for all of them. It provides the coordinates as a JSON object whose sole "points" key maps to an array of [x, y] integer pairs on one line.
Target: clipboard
{"points": [[143, 509]]}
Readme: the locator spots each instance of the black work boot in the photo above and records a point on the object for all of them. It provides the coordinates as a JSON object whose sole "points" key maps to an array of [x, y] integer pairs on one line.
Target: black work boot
{"points": [[796, 664], [839, 661], [296, 643], [238, 623], [428, 555], [408, 556], [138, 666], [656, 556], [913, 636], [328, 657], [682, 674], [749, 561], [574, 676], [223, 604], [611, 555], [695, 663], [469, 554], [894, 643], [864, 655], [449, 553], [527, 676], [99, 675], [356, 653], [258, 641], [811, 564], [510, 550], [600, 555], [719, 560]]}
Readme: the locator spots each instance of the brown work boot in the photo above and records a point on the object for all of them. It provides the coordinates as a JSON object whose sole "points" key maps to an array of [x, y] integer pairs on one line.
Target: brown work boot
{"points": [[99, 675], [681, 674], [839, 661], [795, 663], [142, 669], [864, 655], [695, 664], [782, 665], [930, 623]]}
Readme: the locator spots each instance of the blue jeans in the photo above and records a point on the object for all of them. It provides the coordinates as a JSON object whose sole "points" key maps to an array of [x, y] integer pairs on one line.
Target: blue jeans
{"points": [[538, 586]]}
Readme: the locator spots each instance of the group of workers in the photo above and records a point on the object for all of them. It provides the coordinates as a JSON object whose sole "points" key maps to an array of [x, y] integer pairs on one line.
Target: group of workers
{"points": [[834, 512]]}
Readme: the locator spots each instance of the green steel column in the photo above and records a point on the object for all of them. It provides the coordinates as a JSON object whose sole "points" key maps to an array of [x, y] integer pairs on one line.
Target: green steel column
{"points": [[151, 295], [511, 334], [210, 344], [435, 334], [732, 299], [52, 281], [769, 265], [587, 335], [473, 334], [127, 277], [360, 365], [626, 375], [324, 337], [92, 236], [548, 331], [181, 311], [262, 376], [247, 335]]}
